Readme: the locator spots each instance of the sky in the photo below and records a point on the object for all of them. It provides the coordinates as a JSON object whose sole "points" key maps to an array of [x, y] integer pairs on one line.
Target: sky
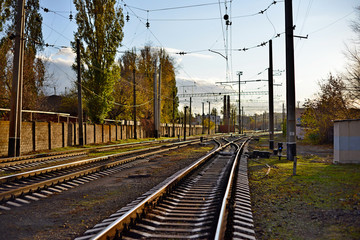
{"points": [[195, 27]]}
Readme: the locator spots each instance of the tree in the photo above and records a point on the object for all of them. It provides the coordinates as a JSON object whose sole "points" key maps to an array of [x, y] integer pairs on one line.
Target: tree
{"points": [[5, 12], [352, 74], [100, 25], [330, 104], [206, 124], [34, 69], [144, 65]]}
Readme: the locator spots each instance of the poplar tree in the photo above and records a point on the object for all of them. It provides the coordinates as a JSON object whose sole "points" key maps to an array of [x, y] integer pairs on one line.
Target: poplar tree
{"points": [[100, 25], [34, 68]]}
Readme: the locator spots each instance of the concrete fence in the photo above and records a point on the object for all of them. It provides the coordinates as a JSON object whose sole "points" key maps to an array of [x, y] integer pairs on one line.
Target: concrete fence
{"points": [[40, 136]]}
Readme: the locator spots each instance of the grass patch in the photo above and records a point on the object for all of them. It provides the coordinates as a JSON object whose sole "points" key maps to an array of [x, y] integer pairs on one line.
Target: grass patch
{"points": [[321, 202]]}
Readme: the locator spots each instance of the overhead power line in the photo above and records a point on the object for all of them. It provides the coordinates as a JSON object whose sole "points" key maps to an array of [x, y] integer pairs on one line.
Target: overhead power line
{"points": [[196, 19], [222, 94]]}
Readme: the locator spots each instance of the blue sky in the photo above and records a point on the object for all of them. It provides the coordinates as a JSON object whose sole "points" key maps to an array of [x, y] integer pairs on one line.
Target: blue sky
{"points": [[196, 29]]}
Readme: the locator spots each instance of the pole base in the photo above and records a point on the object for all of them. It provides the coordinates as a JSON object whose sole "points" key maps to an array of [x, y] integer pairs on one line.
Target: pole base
{"points": [[11, 147], [291, 151], [271, 144]]}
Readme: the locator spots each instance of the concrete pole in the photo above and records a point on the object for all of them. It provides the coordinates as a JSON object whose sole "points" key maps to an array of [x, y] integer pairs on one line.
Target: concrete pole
{"points": [[159, 103], [190, 116], [228, 112], [215, 122], [209, 119], [290, 82], [271, 98], [185, 108], [224, 112], [173, 117], [80, 110], [20, 95], [242, 119], [255, 121], [156, 130], [134, 107], [202, 119], [16, 88], [240, 130]]}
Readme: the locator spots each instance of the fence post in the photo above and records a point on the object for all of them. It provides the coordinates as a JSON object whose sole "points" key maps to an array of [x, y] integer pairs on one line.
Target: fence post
{"points": [[94, 133], [49, 134], [102, 132], [85, 133], [63, 133], [34, 135]]}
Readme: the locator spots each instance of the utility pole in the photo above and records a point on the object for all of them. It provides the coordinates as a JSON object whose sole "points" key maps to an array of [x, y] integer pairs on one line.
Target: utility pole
{"points": [[228, 112], [233, 118], [173, 117], [242, 119], [185, 108], [209, 119], [159, 102], [225, 112], [190, 118], [156, 129], [215, 121], [134, 107], [80, 110], [202, 119], [255, 121], [283, 114], [239, 74], [271, 98], [263, 123], [241, 124], [20, 95], [16, 89], [290, 82]]}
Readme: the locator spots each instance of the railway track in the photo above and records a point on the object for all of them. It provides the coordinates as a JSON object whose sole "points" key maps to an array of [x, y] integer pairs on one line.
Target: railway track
{"points": [[210, 199], [14, 164], [20, 188]]}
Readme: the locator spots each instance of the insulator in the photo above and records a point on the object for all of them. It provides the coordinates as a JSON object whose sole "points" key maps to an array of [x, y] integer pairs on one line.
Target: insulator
{"points": [[127, 17], [71, 16], [147, 24]]}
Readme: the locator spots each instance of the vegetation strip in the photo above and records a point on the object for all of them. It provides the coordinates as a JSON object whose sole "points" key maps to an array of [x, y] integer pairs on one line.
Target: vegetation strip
{"points": [[321, 202]]}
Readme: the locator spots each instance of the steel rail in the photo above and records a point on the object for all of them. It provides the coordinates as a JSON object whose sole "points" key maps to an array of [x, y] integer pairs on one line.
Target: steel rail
{"points": [[35, 186], [121, 223], [222, 216], [42, 159], [82, 162], [77, 153], [98, 148]]}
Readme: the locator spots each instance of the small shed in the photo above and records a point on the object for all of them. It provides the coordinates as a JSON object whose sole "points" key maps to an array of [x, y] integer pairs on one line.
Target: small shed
{"points": [[347, 141]]}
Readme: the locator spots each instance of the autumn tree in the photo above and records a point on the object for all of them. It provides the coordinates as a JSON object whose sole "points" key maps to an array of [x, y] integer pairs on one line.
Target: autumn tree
{"points": [[331, 103], [123, 89], [34, 69], [5, 11], [352, 74], [144, 65], [100, 25]]}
